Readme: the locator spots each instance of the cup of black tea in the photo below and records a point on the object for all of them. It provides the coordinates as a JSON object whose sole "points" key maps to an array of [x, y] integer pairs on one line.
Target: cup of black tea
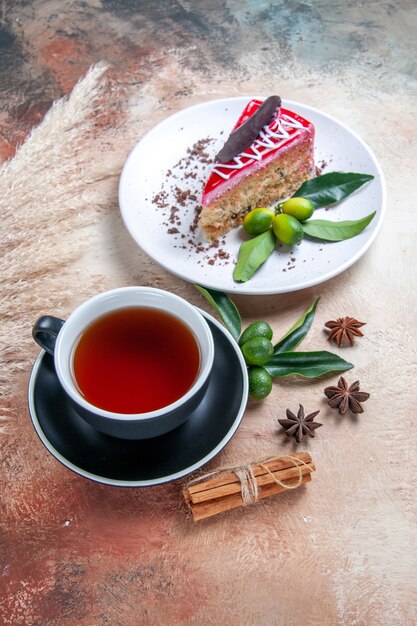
{"points": [[135, 362]]}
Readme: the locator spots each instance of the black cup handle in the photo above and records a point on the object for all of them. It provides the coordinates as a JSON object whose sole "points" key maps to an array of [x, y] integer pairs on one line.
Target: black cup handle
{"points": [[45, 332]]}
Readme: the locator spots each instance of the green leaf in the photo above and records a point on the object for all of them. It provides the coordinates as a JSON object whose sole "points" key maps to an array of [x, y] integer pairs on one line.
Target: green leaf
{"points": [[225, 308], [336, 231], [296, 333], [332, 187], [252, 254], [307, 364]]}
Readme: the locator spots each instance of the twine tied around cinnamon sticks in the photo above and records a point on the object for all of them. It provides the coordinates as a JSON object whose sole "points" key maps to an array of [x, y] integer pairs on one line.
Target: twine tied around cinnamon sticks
{"points": [[231, 487]]}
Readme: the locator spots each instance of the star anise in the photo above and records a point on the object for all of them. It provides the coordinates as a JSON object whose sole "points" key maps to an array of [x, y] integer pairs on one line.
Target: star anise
{"points": [[300, 424], [344, 330], [346, 398]]}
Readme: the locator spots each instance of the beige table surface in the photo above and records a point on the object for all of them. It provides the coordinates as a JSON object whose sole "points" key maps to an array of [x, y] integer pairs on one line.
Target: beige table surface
{"points": [[340, 551]]}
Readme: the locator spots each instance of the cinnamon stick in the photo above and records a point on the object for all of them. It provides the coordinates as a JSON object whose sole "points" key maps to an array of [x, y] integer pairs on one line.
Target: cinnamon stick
{"points": [[229, 477], [262, 480], [208, 509], [223, 491]]}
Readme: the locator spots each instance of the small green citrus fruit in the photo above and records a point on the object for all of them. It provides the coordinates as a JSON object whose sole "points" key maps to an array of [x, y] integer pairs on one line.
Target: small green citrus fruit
{"points": [[300, 208], [257, 350], [287, 229], [258, 221], [260, 383], [257, 329]]}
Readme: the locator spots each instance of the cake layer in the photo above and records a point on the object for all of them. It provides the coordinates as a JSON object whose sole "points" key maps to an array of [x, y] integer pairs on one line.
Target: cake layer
{"points": [[266, 186], [279, 160], [283, 132]]}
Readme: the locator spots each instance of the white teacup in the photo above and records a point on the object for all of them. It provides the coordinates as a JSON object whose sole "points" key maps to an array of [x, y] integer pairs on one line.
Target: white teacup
{"points": [[61, 338]]}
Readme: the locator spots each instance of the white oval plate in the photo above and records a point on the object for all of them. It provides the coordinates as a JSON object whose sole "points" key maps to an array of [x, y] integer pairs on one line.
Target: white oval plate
{"points": [[161, 163]]}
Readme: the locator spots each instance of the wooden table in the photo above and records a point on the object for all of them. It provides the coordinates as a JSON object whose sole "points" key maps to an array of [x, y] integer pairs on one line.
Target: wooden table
{"points": [[343, 549]]}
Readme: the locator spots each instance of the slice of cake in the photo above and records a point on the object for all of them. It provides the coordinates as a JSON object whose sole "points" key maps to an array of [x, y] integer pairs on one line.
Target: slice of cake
{"points": [[277, 160]]}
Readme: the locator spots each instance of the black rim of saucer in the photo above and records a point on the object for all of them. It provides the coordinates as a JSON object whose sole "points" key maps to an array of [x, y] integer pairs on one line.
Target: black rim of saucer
{"points": [[147, 462]]}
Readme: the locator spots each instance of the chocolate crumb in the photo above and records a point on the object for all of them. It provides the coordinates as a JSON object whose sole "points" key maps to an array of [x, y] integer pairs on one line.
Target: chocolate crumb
{"points": [[178, 199]]}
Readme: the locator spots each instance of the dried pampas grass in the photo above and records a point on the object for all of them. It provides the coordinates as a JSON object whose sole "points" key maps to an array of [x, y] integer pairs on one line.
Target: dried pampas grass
{"points": [[47, 192]]}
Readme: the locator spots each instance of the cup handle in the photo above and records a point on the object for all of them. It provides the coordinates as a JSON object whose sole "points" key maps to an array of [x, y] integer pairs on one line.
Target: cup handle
{"points": [[45, 331]]}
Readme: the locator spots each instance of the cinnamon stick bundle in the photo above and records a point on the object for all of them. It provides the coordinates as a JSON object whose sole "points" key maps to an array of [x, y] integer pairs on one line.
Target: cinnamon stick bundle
{"points": [[231, 488]]}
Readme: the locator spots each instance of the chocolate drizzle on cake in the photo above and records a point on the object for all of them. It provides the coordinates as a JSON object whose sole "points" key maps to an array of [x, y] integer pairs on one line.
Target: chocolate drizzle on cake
{"points": [[245, 135]]}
